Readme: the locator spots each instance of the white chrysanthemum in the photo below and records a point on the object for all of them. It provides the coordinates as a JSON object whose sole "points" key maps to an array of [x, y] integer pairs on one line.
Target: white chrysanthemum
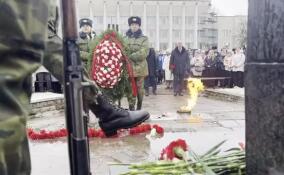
{"points": [[110, 62]]}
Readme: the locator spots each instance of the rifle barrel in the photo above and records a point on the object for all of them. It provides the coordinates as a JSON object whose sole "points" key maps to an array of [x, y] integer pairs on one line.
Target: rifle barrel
{"points": [[73, 76]]}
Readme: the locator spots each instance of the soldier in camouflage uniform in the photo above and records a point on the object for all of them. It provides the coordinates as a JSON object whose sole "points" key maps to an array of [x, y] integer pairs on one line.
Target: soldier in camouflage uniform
{"points": [[23, 29], [22, 37], [86, 36], [139, 47]]}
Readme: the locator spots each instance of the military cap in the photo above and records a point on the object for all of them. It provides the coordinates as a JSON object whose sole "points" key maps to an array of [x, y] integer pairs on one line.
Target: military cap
{"points": [[85, 21], [134, 19]]}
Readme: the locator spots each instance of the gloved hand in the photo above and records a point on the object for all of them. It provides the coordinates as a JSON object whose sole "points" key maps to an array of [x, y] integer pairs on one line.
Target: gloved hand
{"points": [[83, 35]]}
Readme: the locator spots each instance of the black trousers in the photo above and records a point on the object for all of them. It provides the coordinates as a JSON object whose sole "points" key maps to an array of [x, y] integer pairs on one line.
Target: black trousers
{"points": [[209, 73], [220, 73], [150, 81], [238, 79], [178, 83], [229, 82]]}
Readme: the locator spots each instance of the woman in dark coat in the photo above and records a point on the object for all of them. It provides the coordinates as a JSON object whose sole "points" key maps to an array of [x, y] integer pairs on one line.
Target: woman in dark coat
{"points": [[210, 68], [150, 80]]}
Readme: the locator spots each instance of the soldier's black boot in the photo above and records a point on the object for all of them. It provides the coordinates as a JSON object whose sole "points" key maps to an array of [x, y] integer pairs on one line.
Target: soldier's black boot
{"points": [[131, 108], [139, 105], [113, 118]]}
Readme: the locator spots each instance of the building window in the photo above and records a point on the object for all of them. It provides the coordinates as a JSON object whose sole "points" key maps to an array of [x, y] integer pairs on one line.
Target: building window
{"points": [[124, 20], [189, 34], [188, 45], [177, 34], [151, 34], [99, 20], [164, 33], [151, 21], [111, 20], [202, 20], [189, 20], [164, 20], [177, 20], [163, 46]]}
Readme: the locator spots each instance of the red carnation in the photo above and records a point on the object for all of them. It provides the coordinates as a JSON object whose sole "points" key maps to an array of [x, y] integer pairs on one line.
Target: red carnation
{"points": [[160, 130], [176, 149], [113, 34], [132, 131], [107, 36]]}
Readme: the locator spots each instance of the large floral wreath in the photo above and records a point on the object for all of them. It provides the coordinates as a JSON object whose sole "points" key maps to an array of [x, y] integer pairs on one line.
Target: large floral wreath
{"points": [[110, 67]]}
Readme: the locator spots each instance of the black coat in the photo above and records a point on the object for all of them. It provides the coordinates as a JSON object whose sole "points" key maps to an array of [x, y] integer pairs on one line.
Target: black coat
{"points": [[152, 62], [180, 62], [219, 62]]}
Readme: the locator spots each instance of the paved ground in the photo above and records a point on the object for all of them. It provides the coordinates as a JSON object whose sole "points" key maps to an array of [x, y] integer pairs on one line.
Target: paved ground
{"points": [[221, 120]]}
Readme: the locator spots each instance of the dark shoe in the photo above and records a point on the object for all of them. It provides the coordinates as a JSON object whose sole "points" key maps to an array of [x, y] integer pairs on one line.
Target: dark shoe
{"points": [[180, 94], [154, 93], [175, 94], [113, 118], [139, 105], [147, 93], [131, 107]]}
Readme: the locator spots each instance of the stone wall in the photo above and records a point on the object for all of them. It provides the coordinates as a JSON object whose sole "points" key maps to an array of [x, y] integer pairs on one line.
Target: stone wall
{"points": [[39, 108]]}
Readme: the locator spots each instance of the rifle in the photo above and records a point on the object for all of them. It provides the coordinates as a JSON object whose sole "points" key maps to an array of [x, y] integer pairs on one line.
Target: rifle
{"points": [[78, 144]]}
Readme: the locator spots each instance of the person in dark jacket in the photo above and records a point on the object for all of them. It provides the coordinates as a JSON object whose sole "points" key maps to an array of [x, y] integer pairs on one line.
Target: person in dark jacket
{"points": [[160, 71], [150, 80], [220, 69], [210, 68], [179, 65]]}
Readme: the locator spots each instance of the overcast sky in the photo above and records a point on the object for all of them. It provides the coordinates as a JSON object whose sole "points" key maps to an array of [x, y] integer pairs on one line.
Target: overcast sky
{"points": [[230, 7]]}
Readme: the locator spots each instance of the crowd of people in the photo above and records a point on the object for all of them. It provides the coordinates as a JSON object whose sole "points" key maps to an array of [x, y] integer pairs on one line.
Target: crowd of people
{"points": [[216, 69], [224, 68]]}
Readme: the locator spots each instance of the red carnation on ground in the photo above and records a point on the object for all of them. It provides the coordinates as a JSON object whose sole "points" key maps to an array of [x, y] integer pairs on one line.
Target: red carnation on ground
{"points": [[176, 149], [159, 129]]}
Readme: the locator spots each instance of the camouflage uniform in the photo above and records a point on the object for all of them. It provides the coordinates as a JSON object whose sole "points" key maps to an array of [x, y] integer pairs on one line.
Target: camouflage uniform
{"points": [[138, 46], [84, 45], [22, 42]]}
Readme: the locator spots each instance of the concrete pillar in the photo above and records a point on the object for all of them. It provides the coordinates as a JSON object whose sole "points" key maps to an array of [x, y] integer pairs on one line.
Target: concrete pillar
{"points": [[195, 44], [118, 16], [264, 92], [77, 15], [131, 8], [171, 26], [183, 24], [144, 20], [157, 27], [105, 16], [91, 15]]}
